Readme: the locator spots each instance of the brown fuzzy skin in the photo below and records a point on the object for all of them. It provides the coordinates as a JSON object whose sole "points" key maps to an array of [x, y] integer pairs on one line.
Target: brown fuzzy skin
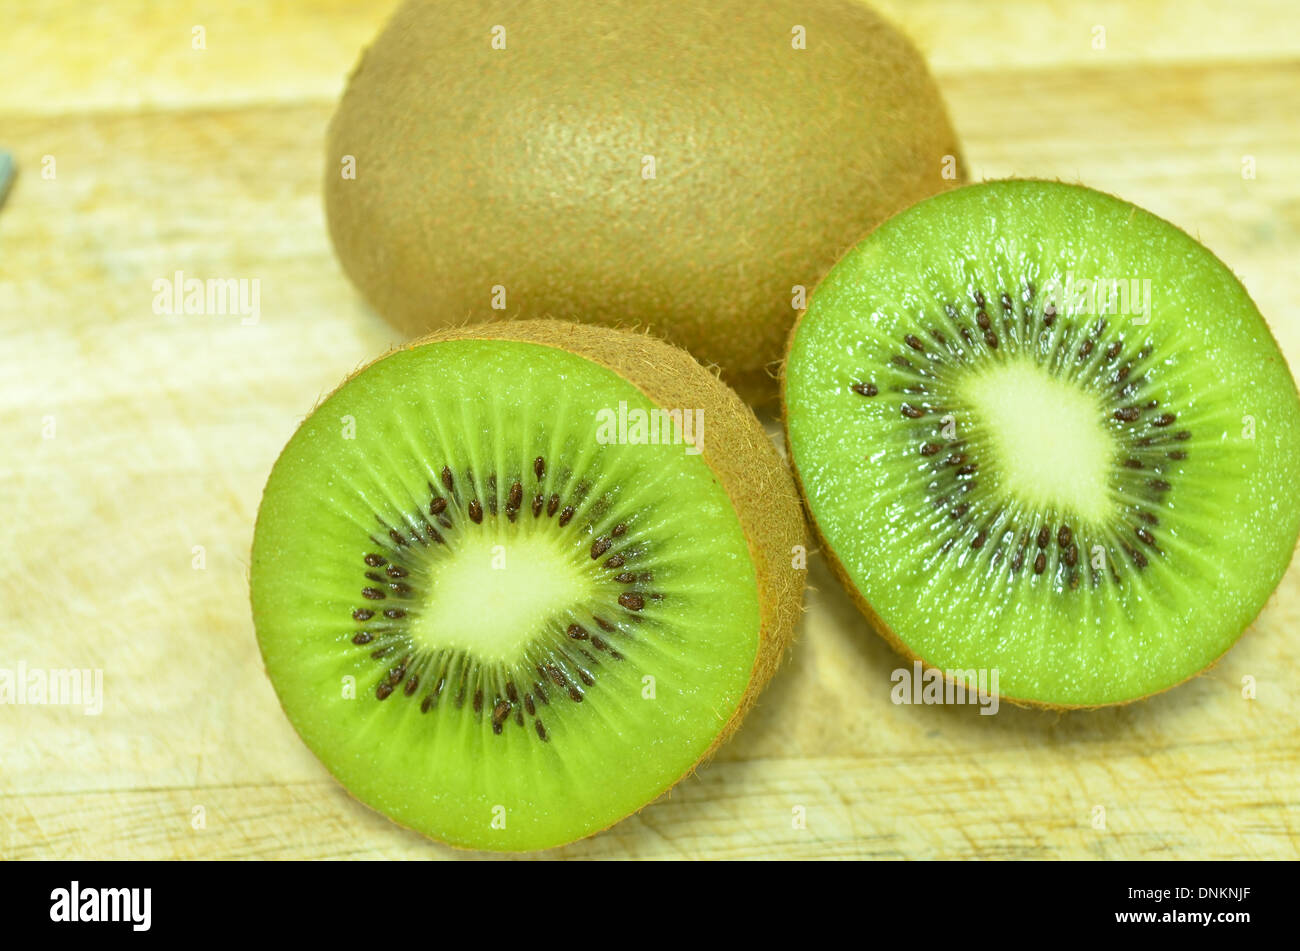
{"points": [[522, 167], [735, 447]]}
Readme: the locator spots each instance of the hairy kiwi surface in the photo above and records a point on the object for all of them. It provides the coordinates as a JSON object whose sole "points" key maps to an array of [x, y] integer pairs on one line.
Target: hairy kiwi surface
{"points": [[1043, 432], [678, 165], [508, 597]]}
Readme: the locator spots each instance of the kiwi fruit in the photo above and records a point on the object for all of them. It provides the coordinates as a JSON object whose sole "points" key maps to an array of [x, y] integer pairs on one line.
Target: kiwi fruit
{"points": [[678, 166], [512, 582], [1042, 431]]}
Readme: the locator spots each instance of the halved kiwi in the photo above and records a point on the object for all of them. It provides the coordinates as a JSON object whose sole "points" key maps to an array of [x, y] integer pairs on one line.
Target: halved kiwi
{"points": [[1045, 432], [502, 597]]}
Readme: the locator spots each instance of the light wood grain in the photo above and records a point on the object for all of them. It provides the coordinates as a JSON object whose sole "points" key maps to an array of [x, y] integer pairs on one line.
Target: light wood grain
{"points": [[165, 429]]}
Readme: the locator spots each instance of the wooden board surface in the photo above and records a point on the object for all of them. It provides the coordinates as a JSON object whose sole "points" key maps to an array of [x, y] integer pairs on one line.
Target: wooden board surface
{"points": [[134, 447]]}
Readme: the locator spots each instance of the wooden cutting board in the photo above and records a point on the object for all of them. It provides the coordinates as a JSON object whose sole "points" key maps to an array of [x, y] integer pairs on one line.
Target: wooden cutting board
{"points": [[134, 447]]}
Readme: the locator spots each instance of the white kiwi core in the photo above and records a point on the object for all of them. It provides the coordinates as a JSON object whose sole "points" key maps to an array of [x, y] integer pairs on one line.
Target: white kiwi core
{"points": [[498, 589], [1052, 445]]}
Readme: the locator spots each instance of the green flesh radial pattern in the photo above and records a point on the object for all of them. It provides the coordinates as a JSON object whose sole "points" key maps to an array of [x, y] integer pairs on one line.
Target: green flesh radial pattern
{"points": [[1046, 433], [489, 617]]}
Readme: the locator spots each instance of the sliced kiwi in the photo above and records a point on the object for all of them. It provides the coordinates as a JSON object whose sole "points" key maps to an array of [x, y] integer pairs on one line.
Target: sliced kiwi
{"points": [[1044, 432], [502, 597]]}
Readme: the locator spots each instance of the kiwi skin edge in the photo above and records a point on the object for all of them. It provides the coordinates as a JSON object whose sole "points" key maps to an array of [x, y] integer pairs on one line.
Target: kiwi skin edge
{"points": [[735, 447], [874, 620]]}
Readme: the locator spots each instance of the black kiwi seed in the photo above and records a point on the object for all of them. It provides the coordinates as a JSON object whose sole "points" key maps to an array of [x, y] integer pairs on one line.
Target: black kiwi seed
{"points": [[499, 714], [864, 389]]}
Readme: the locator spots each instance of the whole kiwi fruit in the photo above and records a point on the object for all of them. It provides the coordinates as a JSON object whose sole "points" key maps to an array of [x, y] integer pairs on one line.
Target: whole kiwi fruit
{"points": [[513, 581], [686, 166]]}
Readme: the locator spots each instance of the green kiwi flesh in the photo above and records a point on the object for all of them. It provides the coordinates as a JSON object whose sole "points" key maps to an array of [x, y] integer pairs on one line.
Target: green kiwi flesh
{"points": [[491, 619], [1017, 465], [681, 166]]}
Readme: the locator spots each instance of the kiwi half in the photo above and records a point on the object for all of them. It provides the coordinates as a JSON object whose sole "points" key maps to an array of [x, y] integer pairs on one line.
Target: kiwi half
{"points": [[502, 616], [1044, 432], [680, 164]]}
